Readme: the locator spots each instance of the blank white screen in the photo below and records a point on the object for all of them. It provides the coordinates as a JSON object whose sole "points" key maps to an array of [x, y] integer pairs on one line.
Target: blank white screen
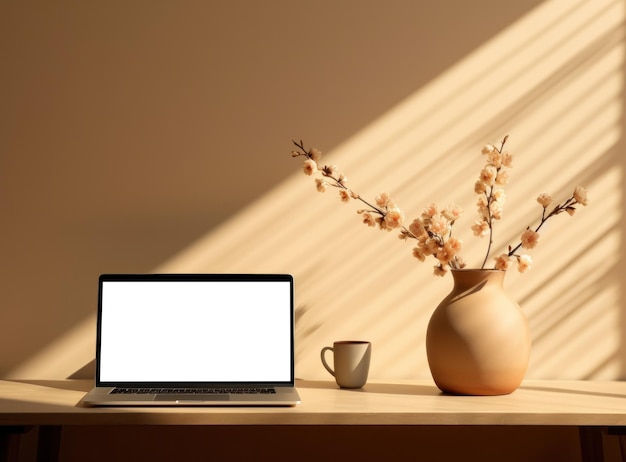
{"points": [[195, 331]]}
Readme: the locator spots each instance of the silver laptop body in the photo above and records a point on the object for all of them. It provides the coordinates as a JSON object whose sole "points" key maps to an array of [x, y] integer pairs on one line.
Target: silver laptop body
{"points": [[195, 339]]}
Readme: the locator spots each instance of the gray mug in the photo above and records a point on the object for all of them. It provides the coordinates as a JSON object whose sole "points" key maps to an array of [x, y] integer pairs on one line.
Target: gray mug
{"points": [[351, 361]]}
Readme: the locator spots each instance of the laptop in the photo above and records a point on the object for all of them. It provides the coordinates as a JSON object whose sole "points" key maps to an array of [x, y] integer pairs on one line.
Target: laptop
{"points": [[195, 339]]}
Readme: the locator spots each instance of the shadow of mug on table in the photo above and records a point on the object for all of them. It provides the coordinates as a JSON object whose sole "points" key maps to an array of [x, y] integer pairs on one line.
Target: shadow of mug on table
{"points": [[351, 361]]}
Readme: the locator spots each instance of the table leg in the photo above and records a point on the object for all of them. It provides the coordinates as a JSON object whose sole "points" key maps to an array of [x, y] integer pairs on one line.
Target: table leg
{"points": [[49, 443], [591, 449], [620, 432], [10, 438]]}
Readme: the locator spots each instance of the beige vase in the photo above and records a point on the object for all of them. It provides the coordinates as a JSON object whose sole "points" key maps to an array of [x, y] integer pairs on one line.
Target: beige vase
{"points": [[478, 342]]}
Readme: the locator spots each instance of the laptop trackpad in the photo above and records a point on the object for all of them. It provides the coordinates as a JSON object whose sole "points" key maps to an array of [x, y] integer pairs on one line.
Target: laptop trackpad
{"points": [[191, 397]]}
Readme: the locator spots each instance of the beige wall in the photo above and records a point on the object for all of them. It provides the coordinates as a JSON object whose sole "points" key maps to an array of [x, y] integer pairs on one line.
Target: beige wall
{"points": [[129, 130]]}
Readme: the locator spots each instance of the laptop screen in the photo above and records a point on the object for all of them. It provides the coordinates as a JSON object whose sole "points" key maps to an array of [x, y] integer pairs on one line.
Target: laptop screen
{"points": [[195, 329]]}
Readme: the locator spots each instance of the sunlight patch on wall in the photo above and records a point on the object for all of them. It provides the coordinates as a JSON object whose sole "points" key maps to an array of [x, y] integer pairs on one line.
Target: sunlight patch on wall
{"points": [[553, 81], [62, 358]]}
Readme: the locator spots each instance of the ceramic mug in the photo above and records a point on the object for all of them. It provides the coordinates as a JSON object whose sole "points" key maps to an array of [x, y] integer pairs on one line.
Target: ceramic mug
{"points": [[351, 362]]}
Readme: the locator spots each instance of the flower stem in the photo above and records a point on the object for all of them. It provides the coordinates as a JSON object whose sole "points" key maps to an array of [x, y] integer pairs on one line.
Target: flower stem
{"points": [[558, 209], [338, 183], [489, 216]]}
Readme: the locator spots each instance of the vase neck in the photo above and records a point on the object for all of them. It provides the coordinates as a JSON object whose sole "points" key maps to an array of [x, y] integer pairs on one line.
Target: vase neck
{"points": [[466, 278]]}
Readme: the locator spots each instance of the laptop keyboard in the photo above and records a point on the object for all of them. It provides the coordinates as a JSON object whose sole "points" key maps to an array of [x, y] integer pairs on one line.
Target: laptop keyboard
{"points": [[187, 391]]}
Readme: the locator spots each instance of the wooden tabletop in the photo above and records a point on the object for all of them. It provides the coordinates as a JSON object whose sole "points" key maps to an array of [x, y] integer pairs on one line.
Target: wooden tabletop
{"points": [[578, 403]]}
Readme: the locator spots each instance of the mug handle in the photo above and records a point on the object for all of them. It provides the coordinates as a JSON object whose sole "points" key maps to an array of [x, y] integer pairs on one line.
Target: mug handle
{"points": [[324, 350]]}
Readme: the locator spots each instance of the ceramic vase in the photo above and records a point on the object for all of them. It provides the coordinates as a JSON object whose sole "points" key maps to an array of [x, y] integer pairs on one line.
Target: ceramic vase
{"points": [[478, 341]]}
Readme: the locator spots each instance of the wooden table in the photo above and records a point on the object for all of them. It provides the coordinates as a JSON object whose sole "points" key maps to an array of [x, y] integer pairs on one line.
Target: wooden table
{"points": [[596, 408]]}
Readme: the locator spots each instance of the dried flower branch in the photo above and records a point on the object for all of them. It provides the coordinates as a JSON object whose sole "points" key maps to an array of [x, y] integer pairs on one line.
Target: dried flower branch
{"points": [[530, 237], [385, 213], [432, 230]]}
